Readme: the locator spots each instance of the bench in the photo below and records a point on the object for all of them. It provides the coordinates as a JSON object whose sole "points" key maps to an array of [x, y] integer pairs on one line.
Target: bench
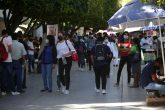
{"points": [[154, 98]]}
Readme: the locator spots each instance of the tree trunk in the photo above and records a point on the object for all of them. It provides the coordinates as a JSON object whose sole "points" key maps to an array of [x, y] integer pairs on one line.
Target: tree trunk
{"points": [[12, 21]]}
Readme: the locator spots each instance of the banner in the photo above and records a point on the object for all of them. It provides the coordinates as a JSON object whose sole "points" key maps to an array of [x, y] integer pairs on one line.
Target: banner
{"points": [[53, 30]]}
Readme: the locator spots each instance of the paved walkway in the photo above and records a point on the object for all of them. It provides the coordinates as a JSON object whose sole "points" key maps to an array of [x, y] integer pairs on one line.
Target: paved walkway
{"points": [[82, 95]]}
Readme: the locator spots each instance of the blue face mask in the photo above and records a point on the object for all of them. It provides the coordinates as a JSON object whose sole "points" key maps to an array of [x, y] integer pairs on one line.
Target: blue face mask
{"points": [[125, 37]]}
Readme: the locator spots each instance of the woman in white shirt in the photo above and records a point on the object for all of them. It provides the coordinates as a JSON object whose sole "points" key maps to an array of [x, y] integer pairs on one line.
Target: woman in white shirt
{"points": [[64, 52]]}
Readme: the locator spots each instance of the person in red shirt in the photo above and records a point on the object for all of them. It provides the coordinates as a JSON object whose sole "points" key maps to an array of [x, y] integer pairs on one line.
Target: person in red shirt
{"points": [[124, 46]]}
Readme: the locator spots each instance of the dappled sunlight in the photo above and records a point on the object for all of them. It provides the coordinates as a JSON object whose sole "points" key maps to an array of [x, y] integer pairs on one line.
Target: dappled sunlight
{"points": [[94, 106]]}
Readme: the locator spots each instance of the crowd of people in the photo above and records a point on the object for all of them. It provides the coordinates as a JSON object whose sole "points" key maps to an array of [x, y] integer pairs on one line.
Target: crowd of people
{"points": [[21, 50], [96, 51]]}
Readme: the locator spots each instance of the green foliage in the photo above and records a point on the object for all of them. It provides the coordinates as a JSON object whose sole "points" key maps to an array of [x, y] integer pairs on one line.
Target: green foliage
{"points": [[158, 2], [72, 13]]}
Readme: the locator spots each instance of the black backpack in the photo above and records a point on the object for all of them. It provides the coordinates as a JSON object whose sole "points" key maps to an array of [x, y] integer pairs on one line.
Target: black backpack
{"points": [[100, 53]]}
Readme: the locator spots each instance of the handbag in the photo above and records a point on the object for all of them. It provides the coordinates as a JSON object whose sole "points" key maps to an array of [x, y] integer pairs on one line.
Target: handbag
{"points": [[74, 54]]}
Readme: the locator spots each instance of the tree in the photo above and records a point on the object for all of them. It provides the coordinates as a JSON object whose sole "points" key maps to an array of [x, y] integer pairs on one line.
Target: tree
{"points": [[15, 12], [99, 11], [160, 3], [69, 14]]}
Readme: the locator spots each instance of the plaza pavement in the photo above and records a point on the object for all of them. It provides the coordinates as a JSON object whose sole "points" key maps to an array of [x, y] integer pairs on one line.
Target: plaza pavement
{"points": [[82, 95]]}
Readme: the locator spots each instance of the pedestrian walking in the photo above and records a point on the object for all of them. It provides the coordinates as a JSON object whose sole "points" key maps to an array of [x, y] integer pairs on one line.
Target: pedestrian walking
{"points": [[99, 55], [64, 51]]}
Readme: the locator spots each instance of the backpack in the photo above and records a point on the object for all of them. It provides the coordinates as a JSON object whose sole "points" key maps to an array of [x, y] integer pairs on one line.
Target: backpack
{"points": [[81, 47], [3, 52], [100, 53]]}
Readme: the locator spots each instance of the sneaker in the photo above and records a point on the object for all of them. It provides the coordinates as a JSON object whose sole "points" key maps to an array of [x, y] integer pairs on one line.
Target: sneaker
{"points": [[63, 89], [15, 93], [43, 90], [116, 85], [97, 90], [82, 69], [58, 89], [3, 93], [49, 91], [66, 92], [104, 91]]}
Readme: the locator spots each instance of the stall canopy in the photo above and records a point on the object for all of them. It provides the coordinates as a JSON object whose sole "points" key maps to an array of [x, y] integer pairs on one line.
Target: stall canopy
{"points": [[154, 27], [137, 14]]}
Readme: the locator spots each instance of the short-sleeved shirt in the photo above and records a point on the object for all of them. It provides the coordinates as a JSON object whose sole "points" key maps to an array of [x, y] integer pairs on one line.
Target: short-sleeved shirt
{"points": [[63, 48], [7, 41], [146, 76], [134, 49], [30, 44], [18, 50], [102, 62]]}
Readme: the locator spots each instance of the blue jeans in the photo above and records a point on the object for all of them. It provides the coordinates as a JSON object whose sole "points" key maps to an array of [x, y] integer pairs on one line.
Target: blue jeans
{"points": [[156, 86], [47, 76], [7, 77], [30, 63], [17, 70]]}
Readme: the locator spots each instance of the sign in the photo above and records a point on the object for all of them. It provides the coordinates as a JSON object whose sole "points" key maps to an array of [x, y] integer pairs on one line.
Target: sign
{"points": [[52, 30]]}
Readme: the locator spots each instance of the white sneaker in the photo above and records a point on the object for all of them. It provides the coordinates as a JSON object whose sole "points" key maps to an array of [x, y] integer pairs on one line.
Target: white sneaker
{"points": [[58, 89], [63, 89], [97, 90], [82, 69], [104, 91], [3, 93], [15, 93], [66, 92]]}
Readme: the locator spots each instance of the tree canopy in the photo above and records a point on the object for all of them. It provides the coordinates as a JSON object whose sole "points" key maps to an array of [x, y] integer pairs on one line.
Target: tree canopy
{"points": [[157, 2], [66, 13]]}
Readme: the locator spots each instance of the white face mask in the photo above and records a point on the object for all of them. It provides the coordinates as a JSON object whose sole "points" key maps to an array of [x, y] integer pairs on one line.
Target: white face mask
{"points": [[106, 41], [125, 37], [46, 41]]}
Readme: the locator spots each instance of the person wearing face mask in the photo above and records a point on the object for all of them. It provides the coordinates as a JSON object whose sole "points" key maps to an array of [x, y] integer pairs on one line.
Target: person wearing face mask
{"points": [[145, 43], [109, 59], [149, 77], [124, 46], [48, 61], [30, 55], [64, 52], [147, 47]]}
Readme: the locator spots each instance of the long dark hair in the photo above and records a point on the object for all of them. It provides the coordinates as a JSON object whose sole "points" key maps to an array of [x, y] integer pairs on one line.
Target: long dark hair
{"points": [[51, 40], [136, 41]]}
